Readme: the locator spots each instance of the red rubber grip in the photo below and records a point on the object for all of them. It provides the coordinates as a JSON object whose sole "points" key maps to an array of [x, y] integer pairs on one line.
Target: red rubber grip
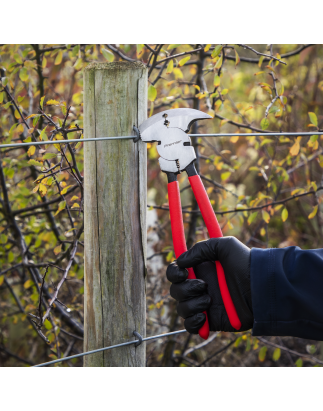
{"points": [[214, 230], [179, 242]]}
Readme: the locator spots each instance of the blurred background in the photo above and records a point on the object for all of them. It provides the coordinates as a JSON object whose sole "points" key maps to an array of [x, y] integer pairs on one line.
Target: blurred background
{"points": [[266, 190]]}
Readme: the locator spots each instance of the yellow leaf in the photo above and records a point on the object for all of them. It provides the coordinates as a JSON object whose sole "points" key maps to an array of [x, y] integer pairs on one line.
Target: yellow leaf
{"points": [[31, 151], [219, 63], [207, 47], [313, 213], [36, 189], [294, 150], [58, 249], [1, 280], [52, 103], [28, 284], [265, 216], [237, 57], [64, 191], [17, 115], [61, 207], [42, 102], [170, 67], [183, 61], [42, 189], [30, 131], [284, 214], [74, 198], [234, 139], [59, 58], [20, 129], [75, 205], [216, 81], [140, 50], [172, 46], [44, 63]]}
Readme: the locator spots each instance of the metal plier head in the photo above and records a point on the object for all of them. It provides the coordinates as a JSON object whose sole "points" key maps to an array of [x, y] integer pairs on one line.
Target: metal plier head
{"points": [[169, 128]]}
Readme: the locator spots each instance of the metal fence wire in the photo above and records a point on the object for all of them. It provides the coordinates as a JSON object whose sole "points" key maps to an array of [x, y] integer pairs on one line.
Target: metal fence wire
{"points": [[136, 342], [85, 140]]}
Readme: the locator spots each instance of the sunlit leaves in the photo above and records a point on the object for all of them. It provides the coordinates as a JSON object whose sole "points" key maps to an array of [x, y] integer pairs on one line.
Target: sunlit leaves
{"points": [[52, 103], [264, 124], [152, 93], [42, 189], [313, 213], [75, 205], [225, 176]]}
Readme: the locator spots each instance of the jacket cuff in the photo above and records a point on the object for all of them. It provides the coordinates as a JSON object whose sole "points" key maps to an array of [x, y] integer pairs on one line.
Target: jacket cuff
{"points": [[263, 292]]}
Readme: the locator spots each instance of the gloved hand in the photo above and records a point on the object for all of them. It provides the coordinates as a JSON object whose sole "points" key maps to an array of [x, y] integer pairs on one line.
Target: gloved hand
{"points": [[203, 294]]}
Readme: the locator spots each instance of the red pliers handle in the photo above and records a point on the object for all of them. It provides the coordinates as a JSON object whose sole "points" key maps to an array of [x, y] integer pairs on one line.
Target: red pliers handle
{"points": [[214, 230]]}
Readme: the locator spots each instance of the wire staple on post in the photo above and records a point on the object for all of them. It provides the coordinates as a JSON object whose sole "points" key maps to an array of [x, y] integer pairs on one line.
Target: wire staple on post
{"points": [[136, 334], [136, 130]]}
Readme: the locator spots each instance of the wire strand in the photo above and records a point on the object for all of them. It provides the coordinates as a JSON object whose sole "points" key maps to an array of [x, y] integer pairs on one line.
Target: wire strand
{"points": [[85, 140], [154, 337]]}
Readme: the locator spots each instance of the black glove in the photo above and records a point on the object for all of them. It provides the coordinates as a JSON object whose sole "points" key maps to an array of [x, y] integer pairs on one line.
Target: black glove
{"points": [[203, 294]]}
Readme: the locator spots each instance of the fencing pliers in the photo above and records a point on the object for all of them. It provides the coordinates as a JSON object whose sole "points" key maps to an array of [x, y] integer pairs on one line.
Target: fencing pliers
{"points": [[169, 128]]}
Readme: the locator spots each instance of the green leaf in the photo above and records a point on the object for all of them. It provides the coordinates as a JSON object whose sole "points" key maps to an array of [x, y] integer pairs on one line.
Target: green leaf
{"points": [[172, 46], [48, 156], [1, 97], [183, 61], [276, 354], [252, 217], [284, 214], [299, 363], [313, 118], [140, 50], [108, 55], [152, 93], [262, 354], [43, 135], [216, 51], [264, 124], [33, 162], [219, 63], [23, 74], [48, 325], [3, 239], [61, 207]]}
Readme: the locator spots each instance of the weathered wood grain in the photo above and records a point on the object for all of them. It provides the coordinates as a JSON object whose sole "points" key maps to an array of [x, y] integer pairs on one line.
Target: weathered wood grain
{"points": [[115, 99]]}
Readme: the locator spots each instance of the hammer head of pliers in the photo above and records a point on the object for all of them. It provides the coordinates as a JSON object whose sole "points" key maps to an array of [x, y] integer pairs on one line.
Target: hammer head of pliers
{"points": [[169, 128]]}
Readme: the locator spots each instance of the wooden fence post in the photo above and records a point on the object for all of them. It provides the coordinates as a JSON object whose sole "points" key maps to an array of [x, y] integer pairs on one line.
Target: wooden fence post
{"points": [[115, 181]]}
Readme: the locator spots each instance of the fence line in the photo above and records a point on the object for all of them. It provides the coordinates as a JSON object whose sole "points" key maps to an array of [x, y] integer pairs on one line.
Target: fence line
{"points": [[84, 140], [138, 342]]}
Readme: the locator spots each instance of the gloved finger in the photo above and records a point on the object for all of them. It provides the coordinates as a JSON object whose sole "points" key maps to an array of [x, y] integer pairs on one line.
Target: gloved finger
{"points": [[194, 323], [175, 274], [188, 289], [214, 249], [193, 306]]}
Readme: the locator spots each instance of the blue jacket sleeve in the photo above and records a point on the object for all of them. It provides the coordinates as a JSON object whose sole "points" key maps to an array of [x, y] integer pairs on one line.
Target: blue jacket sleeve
{"points": [[287, 292]]}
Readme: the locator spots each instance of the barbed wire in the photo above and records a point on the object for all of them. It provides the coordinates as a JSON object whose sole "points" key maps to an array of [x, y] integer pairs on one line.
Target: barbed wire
{"points": [[85, 140], [136, 342]]}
